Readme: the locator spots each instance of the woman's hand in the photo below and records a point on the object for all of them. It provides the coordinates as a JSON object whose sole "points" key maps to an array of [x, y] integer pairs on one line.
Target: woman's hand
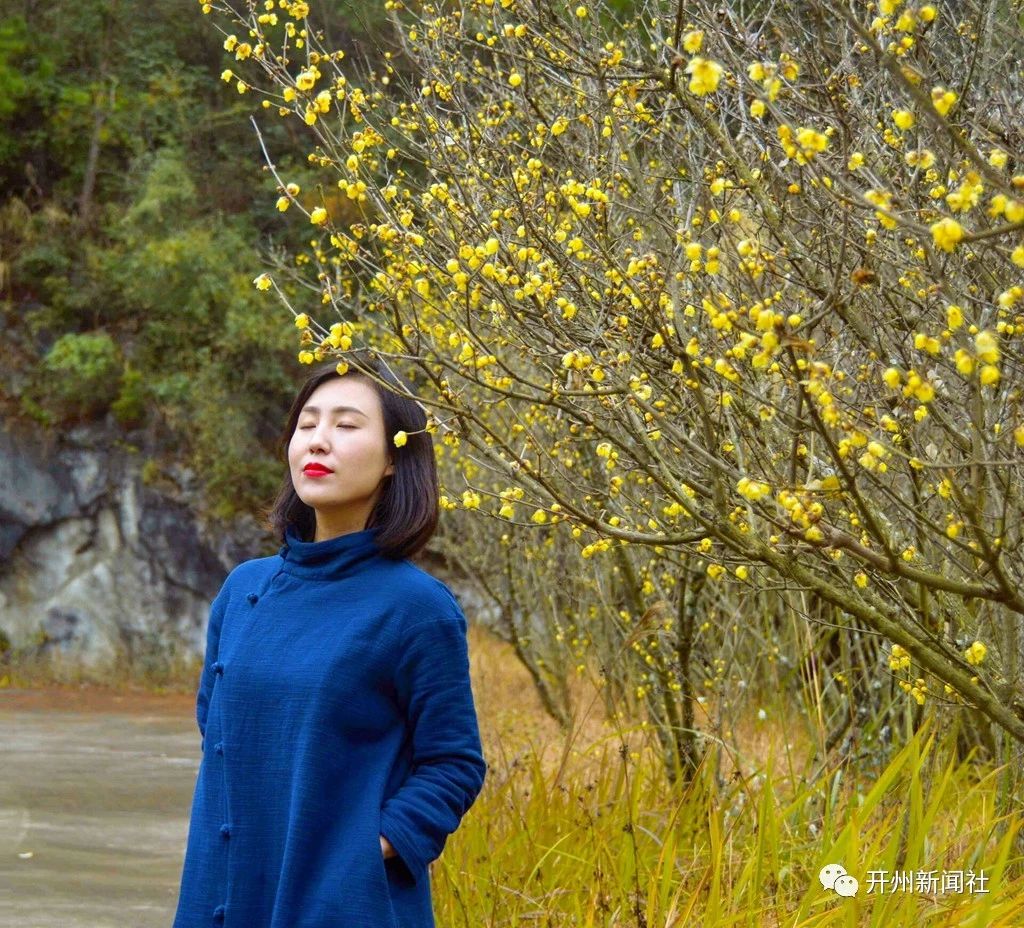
{"points": [[386, 849]]}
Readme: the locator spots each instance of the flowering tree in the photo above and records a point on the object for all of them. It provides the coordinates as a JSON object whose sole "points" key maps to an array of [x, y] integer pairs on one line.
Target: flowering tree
{"points": [[726, 289]]}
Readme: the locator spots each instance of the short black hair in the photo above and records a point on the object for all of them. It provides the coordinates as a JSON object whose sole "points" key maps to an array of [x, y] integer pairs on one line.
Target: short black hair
{"points": [[406, 512]]}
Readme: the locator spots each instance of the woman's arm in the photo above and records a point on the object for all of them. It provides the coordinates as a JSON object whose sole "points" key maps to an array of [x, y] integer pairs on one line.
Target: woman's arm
{"points": [[433, 688], [217, 609]]}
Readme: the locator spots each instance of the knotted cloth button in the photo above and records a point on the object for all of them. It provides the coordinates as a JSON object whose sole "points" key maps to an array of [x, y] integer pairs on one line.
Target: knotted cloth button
{"points": [[219, 747], [218, 667], [218, 913], [252, 597], [225, 830]]}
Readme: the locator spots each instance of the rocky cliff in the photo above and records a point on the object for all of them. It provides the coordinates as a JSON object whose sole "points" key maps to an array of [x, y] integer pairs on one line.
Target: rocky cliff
{"points": [[96, 561]]}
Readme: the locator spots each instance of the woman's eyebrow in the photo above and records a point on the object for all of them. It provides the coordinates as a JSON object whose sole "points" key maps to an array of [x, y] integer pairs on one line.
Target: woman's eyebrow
{"points": [[316, 409]]}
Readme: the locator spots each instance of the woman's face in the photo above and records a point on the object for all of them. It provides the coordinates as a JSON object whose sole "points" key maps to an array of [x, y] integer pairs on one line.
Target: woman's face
{"points": [[338, 454]]}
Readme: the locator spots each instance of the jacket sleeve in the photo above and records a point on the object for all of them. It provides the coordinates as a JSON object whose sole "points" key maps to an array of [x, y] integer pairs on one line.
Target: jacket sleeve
{"points": [[448, 769], [206, 679]]}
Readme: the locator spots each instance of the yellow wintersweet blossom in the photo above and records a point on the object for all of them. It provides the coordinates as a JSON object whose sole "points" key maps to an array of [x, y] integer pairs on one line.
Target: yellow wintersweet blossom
{"points": [[920, 158], [515, 79], [967, 194], [704, 75], [899, 659], [975, 654], [319, 216], [947, 233], [752, 489], [954, 316], [1018, 256], [988, 375], [986, 346], [692, 41], [400, 439], [302, 321], [964, 362], [943, 100], [262, 282], [811, 141], [883, 200], [904, 119], [919, 388], [307, 79]]}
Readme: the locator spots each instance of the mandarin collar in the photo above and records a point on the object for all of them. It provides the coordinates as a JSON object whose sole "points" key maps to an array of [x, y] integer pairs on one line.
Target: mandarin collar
{"points": [[331, 559]]}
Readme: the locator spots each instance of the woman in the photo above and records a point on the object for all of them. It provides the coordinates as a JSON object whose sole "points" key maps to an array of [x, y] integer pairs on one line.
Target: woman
{"points": [[339, 733]]}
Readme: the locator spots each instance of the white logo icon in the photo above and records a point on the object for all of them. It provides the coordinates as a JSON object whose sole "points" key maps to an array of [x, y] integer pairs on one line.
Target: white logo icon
{"points": [[835, 877]]}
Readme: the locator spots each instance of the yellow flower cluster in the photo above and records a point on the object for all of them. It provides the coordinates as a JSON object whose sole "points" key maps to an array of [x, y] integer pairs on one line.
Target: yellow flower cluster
{"points": [[883, 200], [947, 233], [899, 659], [975, 654], [904, 119], [596, 547], [804, 144], [943, 100], [752, 489], [918, 689], [705, 75], [803, 509], [966, 196]]}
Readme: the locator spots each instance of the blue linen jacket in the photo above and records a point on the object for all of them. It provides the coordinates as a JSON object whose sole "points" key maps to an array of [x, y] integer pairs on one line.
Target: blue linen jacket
{"points": [[334, 706]]}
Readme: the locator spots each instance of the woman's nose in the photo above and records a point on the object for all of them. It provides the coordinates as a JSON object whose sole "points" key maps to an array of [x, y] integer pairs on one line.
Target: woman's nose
{"points": [[318, 439]]}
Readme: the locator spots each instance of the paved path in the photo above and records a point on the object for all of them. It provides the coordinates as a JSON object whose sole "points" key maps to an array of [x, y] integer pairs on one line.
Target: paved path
{"points": [[99, 796]]}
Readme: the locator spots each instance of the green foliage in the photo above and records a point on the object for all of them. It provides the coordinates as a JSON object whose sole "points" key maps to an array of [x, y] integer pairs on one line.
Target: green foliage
{"points": [[25, 73], [130, 406], [79, 377], [144, 307]]}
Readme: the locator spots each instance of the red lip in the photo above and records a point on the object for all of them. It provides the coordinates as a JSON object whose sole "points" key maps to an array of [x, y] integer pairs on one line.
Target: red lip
{"points": [[316, 469]]}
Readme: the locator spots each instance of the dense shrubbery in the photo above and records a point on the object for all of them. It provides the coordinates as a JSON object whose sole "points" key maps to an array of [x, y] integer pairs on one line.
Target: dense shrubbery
{"points": [[130, 229]]}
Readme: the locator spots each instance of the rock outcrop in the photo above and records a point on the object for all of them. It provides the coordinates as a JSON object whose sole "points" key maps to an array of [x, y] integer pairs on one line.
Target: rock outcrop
{"points": [[98, 563]]}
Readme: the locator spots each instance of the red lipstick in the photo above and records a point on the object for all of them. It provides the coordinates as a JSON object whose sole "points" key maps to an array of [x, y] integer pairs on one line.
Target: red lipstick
{"points": [[316, 470]]}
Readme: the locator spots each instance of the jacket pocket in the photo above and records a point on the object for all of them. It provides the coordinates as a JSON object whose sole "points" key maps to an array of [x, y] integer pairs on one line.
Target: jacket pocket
{"points": [[382, 878]]}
